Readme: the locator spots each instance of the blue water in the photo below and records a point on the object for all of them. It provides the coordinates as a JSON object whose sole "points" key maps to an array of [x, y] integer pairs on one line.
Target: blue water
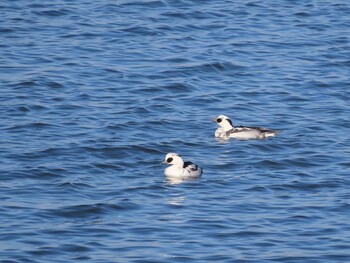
{"points": [[95, 93]]}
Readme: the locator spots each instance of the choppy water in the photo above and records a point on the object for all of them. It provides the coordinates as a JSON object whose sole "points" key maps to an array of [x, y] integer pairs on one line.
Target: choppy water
{"points": [[95, 93]]}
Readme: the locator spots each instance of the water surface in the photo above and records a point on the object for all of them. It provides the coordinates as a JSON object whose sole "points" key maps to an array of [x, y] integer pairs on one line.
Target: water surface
{"points": [[94, 94]]}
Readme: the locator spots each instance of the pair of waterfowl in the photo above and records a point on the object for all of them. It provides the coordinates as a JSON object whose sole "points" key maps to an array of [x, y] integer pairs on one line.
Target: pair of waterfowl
{"points": [[187, 170]]}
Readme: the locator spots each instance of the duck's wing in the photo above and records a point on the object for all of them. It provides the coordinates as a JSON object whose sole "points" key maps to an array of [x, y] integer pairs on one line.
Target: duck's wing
{"points": [[190, 166], [238, 129], [267, 132], [260, 129], [242, 128], [249, 128]]}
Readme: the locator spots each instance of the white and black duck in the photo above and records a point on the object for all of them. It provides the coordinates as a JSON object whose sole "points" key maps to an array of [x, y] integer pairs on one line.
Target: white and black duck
{"points": [[180, 169], [227, 130]]}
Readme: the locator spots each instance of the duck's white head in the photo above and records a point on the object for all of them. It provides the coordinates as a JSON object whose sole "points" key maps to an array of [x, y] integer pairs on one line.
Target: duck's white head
{"points": [[174, 159], [224, 122]]}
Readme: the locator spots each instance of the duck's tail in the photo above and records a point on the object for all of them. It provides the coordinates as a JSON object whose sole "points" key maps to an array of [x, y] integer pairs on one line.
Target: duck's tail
{"points": [[271, 133]]}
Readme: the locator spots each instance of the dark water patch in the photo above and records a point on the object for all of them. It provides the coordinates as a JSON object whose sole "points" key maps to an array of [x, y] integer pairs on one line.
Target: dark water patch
{"points": [[225, 67], [119, 151], [46, 251], [178, 87], [38, 153], [272, 164], [22, 109], [258, 189], [91, 210], [52, 13], [81, 258], [18, 259], [74, 248], [106, 166], [148, 188], [46, 172], [303, 162], [312, 187], [141, 4], [74, 185], [302, 14], [54, 85], [92, 226], [6, 30], [25, 84], [346, 164], [215, 66], [340, 208], [141, 30]]}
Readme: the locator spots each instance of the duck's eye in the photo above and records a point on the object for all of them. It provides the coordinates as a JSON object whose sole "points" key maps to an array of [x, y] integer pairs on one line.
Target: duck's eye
{"points": [[218, 120], [169, 160]]}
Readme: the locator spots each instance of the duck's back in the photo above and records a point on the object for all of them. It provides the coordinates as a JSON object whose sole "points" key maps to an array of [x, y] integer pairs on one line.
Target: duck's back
{"points": [[250, 132], [192, 170]]}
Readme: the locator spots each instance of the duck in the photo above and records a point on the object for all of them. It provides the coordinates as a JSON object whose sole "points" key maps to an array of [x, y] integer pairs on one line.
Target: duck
{"points": [[227, 130], [179, 168]]}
